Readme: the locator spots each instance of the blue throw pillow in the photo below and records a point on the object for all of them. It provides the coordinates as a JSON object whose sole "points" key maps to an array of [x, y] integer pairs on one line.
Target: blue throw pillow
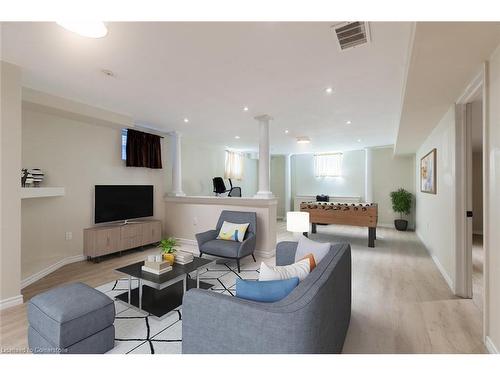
{"points": [[265, 291]]}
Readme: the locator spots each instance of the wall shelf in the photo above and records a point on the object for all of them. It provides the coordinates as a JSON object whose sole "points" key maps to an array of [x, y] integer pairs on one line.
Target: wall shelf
{"points": [[41, 192]]}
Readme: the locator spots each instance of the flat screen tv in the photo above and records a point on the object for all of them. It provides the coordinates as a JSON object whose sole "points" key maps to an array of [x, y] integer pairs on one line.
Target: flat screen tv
{"points": [[122, 202]]}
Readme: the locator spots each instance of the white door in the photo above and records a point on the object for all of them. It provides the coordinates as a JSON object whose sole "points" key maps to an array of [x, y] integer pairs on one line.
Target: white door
{"points": [[469, 213]]}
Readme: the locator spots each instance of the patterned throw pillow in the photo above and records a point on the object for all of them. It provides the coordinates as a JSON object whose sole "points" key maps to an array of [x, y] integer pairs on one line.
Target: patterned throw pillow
{"points": [[307, 246], [300, 269], [312, 261], [232, 232]]}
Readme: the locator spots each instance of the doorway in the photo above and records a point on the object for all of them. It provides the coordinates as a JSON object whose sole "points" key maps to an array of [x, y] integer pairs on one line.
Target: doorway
{"points": [[474, 110], [471, 193]]}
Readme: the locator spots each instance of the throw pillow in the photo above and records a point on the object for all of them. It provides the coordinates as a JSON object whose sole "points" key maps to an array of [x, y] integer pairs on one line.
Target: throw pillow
{"points": [[307, 246], [312, 261], [265, 291], [232, 232], [300, 269]]}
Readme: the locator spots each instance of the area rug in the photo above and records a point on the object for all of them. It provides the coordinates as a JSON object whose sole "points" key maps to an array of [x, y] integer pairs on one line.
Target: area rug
{"points": [[141, 333]]}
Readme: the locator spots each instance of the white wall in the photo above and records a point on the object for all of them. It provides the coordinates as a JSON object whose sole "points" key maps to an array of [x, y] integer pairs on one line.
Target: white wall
{"points": [[477, 192], [390, 173], [492, 204], [249, 183], [10, 196], [352, 183], [77, 156], [201, 162], [435, 213]]}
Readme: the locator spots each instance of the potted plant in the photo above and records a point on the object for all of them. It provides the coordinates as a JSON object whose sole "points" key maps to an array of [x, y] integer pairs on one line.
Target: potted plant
{"points": [[401, 203], [168, 249]]}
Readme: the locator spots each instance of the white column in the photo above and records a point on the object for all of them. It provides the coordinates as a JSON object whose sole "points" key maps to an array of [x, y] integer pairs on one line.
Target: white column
{"points": [[288, 183], [368, 175], [176, 165], [264, 158]]}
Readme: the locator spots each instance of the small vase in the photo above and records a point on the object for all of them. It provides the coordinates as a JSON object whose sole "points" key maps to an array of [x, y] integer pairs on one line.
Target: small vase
{"points": [[169, 258]]}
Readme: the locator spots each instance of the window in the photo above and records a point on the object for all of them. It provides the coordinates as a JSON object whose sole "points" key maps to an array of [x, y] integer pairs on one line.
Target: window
{"points": [[234, 165], [124, 144], [328, 165]]}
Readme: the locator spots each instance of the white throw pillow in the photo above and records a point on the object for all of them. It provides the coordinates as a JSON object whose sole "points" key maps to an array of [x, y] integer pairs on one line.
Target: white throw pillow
{"points": [[232, 232], [300, 269], [307, 246]]}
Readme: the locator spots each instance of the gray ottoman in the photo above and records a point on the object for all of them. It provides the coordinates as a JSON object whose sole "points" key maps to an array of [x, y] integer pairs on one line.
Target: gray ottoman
{"points": [[74, 318]]}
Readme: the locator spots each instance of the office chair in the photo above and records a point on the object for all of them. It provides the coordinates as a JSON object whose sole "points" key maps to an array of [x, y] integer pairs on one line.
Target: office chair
{"points": [[220, 188]]}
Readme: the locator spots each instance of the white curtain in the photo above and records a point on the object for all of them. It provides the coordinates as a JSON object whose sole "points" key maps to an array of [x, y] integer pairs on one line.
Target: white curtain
{"points": [[328, 165], [234, 165]]}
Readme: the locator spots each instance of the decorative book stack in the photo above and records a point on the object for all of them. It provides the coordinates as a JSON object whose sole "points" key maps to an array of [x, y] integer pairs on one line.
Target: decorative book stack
{"points": [[37, 176], [158, 268], [183, 257]]}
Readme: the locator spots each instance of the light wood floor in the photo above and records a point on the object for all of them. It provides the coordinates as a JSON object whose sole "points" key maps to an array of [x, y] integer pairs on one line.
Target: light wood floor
{"points": [[401, 303]]}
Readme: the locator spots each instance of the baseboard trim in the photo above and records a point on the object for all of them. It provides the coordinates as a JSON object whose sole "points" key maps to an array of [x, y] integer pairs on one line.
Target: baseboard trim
{"points": [[445, 275], [490, 346], [385, 225], [438, 264], [410, 228], [192, 247], [46, 271], [11, 302]]}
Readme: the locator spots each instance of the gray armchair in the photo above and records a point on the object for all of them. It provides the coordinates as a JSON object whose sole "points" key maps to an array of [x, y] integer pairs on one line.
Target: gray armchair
{"points": [[208, 244]]}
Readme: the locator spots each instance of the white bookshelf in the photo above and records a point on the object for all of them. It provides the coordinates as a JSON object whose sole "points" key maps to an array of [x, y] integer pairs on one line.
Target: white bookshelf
{"points": [[41, 192]]}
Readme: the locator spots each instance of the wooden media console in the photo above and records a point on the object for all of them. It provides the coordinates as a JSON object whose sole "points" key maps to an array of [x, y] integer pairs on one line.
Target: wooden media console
{"points": [[112, 238]]}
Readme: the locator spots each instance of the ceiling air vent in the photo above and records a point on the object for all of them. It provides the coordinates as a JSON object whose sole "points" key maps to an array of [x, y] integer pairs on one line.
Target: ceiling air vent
{"points": [[352, 34]]}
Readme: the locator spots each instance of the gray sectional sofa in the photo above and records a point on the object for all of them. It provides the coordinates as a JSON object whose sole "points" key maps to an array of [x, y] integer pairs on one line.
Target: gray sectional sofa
{"points": [[313, 318]]}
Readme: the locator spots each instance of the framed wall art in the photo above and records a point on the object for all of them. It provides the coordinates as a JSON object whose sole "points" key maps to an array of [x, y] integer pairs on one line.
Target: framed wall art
{"points": [[428, 173]]}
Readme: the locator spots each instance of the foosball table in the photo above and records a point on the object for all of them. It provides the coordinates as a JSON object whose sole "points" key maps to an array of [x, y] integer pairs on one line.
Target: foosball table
{"points": [[356, 214]]}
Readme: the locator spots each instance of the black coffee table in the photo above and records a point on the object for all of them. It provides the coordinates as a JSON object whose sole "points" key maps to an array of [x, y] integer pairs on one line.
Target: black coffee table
{"points": [[160, 294]]}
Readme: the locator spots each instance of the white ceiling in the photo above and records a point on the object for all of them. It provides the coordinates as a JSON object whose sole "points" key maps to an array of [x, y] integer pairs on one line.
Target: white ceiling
{"points": [[208, 72], [445, 58]]}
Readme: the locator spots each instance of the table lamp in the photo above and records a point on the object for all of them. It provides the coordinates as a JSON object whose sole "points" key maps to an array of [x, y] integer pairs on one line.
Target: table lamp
{"points": [[297, 222]]}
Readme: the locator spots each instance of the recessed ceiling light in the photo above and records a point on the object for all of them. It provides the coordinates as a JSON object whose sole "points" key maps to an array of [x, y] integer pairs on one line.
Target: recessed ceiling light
{"points": [[186, 120], [348, 122], [359, 140], [329, 90], [286, 131], [89, 29], [301, 140], [236, 137], [245, 109]]}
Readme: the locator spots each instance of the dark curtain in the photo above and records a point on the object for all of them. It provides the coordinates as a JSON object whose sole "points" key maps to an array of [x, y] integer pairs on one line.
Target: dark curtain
{"points": [[143, 150]]}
